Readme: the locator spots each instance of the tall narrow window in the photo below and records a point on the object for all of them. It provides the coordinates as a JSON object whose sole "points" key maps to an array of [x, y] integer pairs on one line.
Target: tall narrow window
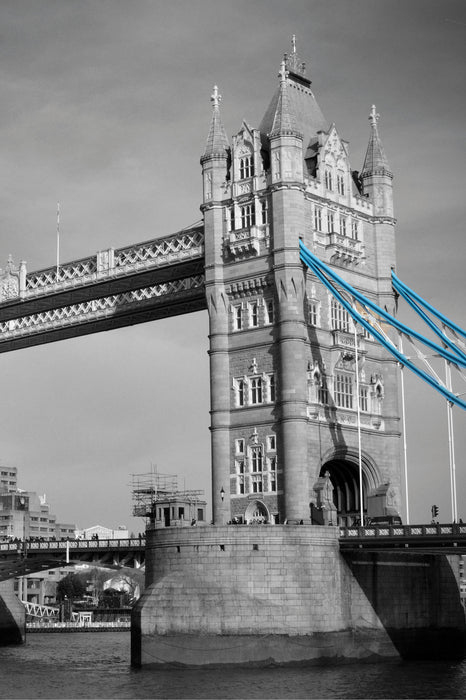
{"points": [[253, 314], [331, 222], [240, 392], [232, 218], [271, 388], [363, 398], [318, 218], [342, 226], [265, 211], [314, 313], [323, 392], [237, 317], [257, 459], [269, 315], [354, 229], [246, 167], [344, 390], [239, 446], [340, 184], [340, 319], [328, 180], [247, 216], [271, 443], [256, 390]]}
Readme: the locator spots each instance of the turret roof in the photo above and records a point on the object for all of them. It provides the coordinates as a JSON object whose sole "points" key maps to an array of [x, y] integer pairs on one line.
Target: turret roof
{"points": [[375, 160], [217, 142], [299, 110]]}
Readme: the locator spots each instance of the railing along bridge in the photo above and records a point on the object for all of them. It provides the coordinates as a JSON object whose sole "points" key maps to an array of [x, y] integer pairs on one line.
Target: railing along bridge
{"points": [[23, 558], [115, 288], [427, 539]]}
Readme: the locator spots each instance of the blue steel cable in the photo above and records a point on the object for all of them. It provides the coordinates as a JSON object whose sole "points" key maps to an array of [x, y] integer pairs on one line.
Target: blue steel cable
{"points": [[454, 327], [415, 306], [309, 259], [453, 358]]}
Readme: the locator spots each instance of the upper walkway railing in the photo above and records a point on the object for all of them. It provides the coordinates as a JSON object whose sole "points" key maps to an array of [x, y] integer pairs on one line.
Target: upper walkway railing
{"points": [[185, 245]]}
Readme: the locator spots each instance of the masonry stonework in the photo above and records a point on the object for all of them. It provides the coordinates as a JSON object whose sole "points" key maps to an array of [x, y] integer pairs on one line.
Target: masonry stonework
{"points": [[283, 594]]}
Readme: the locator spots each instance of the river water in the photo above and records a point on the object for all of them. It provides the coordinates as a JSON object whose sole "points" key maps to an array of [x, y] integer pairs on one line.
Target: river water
{"points": [[96, 665]]}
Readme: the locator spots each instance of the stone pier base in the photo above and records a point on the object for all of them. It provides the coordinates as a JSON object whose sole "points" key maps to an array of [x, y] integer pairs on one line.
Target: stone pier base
{"points": [[283, 594], [12, 616]]}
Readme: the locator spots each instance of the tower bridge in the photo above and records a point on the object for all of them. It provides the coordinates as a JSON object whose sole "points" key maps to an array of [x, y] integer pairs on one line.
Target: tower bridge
{"points": [[305, 418]]}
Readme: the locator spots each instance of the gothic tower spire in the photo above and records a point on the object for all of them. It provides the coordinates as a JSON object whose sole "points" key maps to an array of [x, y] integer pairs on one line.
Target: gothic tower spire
{"points": [[217, 142], [284, 121], [376, 175], [375, 160]]}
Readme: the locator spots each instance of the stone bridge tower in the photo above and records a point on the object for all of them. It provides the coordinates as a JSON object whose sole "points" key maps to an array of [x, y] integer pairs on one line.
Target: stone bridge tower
{"points": [[282, 350]]}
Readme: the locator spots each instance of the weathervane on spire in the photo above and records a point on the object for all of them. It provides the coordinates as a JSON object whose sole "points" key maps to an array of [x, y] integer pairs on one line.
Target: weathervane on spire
{"points": [[215, 98], [374, 116]]}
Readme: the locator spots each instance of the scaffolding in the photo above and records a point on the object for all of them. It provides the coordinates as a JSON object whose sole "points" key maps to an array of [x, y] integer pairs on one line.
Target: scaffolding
{"points": [[152, 487]]}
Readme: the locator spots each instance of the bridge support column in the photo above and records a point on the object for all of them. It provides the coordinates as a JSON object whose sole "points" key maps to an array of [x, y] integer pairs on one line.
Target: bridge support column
{"points": [[12, 616]]}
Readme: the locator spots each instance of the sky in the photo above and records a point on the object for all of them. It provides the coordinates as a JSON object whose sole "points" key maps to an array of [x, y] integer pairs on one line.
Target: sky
{"points": [[106, 109]]}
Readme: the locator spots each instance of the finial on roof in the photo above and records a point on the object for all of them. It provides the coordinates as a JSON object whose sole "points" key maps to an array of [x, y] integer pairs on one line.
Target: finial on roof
{"points": [[215, 98], [283, 72], [292, 61], [374, 116]]}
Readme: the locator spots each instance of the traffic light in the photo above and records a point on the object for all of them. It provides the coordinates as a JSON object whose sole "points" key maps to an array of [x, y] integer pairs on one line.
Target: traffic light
{"points": [[434, 511]]}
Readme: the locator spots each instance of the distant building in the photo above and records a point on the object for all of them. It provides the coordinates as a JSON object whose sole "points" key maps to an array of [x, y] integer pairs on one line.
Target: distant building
{"points": [[8, 478], [103, 533], [25, 514]]}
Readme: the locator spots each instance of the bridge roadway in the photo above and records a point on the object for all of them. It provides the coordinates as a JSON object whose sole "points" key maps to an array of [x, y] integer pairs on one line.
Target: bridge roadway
{"points": [[23, 558], [114, 288], [425, 539]]}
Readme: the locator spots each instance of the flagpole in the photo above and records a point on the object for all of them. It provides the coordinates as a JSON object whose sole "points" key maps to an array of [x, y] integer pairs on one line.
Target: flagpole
{"points": [[361, 495], [451, 446], [58, 238], [405, 441]]}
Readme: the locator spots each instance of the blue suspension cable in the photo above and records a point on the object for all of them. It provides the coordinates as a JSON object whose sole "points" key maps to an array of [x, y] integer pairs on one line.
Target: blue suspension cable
{"points": [[398, 284], [320, 268], [414, 305]]}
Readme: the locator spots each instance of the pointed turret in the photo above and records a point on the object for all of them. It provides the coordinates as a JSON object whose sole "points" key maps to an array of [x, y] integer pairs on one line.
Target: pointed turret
{"points": [[286, 140], [284, 121], [375, 161], [216, 155], [376, 175], [217, 142]]}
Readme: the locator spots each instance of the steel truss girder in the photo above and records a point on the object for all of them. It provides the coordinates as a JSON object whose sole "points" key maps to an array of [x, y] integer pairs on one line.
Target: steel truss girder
{"points": [[139, 298]]}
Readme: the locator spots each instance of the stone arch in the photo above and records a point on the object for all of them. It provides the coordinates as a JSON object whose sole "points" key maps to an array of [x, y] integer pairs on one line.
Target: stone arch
{"points": [[257, 512], [343, 467]]}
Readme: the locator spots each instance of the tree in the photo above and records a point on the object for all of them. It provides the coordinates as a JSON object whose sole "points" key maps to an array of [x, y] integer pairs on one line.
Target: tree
{"points": [[114, 598], [71, 587]]}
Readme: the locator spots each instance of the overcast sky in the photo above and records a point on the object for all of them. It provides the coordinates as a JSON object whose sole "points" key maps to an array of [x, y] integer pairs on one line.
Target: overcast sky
{"points": [[106, 108]]}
